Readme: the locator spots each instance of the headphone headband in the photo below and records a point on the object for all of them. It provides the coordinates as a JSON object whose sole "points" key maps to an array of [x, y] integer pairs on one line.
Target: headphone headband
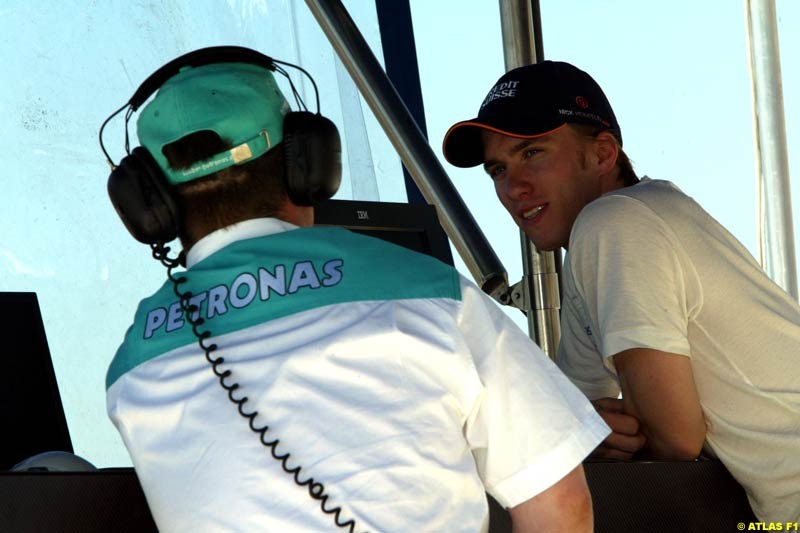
{"points": [[141, 192], [197, 58]]}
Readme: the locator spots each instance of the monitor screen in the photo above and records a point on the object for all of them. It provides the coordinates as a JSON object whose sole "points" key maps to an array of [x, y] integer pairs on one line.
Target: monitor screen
{"points": [[32, 417], [414, 226]]}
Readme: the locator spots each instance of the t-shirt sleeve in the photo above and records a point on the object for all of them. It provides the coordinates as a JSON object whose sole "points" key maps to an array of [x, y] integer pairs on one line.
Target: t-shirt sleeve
{"points": [[529, 426], [631, 274]]}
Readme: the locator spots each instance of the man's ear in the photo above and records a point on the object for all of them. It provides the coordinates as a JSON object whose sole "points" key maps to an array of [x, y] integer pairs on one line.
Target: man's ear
{"points": [[606, 150]]}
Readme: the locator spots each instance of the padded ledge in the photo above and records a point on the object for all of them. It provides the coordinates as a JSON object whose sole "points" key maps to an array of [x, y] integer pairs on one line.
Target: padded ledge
{"points": [[657, 496]]}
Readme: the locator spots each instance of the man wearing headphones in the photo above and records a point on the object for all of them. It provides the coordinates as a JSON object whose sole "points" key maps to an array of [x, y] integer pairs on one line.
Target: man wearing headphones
{"points": [[395, 386], [660, 302]]}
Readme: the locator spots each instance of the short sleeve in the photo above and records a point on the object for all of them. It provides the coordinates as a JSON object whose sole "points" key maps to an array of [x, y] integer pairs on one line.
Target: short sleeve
{"points": [[630, 273], [529, 426]]}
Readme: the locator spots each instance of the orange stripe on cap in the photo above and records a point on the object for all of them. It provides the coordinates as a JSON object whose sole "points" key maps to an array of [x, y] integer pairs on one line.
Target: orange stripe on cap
{"points": [[502, 132]]}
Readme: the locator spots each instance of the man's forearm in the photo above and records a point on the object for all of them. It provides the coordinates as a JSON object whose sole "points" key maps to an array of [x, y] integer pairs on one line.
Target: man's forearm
{"points": [[564, 507]]}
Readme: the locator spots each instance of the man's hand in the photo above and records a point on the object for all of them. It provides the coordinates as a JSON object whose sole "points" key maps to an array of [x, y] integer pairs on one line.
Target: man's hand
{"points": [[625, 439]]}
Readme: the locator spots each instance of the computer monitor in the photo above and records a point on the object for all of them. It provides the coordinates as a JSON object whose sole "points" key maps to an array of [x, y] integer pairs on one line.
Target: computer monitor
{"points": [[414, 226], [31, 415]]}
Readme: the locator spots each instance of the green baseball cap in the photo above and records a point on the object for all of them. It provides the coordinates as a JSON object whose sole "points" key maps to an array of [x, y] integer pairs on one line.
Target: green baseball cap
{"points": [[240, 102]]}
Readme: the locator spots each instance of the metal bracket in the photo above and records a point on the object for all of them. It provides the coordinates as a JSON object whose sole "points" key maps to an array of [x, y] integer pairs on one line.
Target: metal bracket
{"points": [[519, 296]]}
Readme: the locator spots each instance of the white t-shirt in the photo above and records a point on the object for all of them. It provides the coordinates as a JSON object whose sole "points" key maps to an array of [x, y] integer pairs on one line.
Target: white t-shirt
{"points": [[387, 376], [648, 267]]}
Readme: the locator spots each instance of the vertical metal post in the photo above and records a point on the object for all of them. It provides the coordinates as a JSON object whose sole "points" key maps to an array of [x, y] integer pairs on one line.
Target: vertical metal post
{"points": [[776, 233], [522, 45]]}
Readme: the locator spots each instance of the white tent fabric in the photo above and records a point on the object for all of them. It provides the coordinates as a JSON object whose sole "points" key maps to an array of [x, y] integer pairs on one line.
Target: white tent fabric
{"points": [[66, 67]]}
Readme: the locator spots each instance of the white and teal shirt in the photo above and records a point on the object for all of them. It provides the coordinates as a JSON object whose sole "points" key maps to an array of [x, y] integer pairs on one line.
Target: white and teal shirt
{"points": [[388, 377]]}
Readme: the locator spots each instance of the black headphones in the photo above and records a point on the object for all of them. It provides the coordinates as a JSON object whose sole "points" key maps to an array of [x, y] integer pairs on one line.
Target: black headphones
{"points": [[140, 191]]}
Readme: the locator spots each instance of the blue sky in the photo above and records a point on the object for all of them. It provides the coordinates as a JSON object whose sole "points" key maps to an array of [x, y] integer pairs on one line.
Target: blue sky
{"points": [[675, 72]]}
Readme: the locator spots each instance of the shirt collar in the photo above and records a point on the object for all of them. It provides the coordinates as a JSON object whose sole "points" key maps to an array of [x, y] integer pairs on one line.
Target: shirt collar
{"points": [[248, 229]]}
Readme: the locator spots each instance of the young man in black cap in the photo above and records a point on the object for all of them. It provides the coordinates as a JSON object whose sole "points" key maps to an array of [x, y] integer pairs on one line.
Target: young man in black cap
{"points": [[660, 302], [386, 375]]}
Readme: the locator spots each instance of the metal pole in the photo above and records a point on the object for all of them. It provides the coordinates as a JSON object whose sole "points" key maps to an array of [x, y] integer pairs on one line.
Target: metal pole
{"points": [[410, 143], [776, 233], [522, 45]]}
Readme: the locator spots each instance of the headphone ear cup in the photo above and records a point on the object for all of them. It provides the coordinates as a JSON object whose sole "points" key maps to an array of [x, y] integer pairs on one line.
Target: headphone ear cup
{"points": [[142, 199], [313, 157]]}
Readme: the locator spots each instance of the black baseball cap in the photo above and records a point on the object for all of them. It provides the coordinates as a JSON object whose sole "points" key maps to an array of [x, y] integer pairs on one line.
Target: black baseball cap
{"points": [[528, 102]]}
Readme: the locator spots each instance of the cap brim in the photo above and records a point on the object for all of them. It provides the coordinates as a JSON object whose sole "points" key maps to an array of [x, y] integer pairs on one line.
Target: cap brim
{"points": [[463, 142], [463, 146]]}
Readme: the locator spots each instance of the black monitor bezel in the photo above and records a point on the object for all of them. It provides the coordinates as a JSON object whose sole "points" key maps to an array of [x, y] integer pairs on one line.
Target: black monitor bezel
{"points": [[32, 416], [380, 218]]}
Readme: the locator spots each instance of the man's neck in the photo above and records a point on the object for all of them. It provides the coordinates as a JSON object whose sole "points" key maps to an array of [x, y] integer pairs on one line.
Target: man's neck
{"points": [[298, 215], [302, 216]]}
